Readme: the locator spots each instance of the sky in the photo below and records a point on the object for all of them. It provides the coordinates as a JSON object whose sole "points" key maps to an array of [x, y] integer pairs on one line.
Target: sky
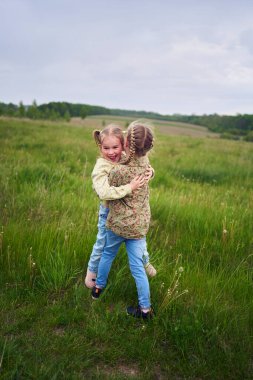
{"points": [[166, 56]]}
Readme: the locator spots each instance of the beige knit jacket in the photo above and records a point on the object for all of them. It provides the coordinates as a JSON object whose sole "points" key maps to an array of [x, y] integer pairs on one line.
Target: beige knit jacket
{"points": [[129, 217]]}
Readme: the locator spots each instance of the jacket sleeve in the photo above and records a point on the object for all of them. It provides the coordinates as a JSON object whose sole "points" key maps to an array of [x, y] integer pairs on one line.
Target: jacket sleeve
{"points": [[101, 184]]}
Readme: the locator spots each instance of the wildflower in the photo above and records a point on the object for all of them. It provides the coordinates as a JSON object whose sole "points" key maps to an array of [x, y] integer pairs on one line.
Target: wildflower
{"points": [[224, 234], [174, 292]]}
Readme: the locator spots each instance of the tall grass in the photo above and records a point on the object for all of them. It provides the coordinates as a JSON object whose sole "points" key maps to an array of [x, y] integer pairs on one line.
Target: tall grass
{"points": [[201, 202]]}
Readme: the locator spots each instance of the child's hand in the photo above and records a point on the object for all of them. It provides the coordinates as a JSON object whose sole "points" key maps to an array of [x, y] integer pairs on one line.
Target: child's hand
{"points": [[149, 173], [138, 182]]}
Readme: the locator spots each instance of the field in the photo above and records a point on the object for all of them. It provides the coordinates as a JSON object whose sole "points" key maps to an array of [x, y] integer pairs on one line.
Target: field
{"points": [[200, 241]]}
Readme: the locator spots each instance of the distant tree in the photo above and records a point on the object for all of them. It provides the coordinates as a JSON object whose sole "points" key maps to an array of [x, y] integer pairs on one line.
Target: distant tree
{"points": [[21, 109], [11, 109], [1, 109], [33, 112], [54, 115], [83, 112], [67, 116]]}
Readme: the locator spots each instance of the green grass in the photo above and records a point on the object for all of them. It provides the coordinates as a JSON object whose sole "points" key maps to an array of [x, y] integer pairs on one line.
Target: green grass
{"points": [[201, 203]]}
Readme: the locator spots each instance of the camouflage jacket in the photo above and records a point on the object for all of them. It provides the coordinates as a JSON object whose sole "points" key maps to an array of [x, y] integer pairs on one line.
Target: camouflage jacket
{"points": [[130, 216]]}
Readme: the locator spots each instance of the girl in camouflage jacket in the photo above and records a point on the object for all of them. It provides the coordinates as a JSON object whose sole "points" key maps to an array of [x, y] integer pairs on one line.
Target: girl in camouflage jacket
{"points": [[111, 144], [128, 219]]}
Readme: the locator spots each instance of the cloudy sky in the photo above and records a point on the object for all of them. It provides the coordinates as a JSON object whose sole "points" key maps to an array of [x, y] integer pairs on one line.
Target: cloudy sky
{"points": [[167, 56]]}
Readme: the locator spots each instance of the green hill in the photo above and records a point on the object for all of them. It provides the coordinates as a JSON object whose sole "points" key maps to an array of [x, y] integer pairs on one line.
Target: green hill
{"points": [[230, 127]]}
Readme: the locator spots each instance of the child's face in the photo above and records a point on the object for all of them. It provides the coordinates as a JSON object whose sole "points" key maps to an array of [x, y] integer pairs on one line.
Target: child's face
{"points": [[111, 148]]}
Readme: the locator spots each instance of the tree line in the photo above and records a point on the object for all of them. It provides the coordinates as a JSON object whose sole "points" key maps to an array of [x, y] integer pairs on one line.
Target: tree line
{"points": [[52, 110], [234, 127]]}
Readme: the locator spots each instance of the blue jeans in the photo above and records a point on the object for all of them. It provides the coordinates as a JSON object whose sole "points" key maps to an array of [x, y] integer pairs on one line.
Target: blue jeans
{"points": [[135, 249], [100, 242], [98, 247]]}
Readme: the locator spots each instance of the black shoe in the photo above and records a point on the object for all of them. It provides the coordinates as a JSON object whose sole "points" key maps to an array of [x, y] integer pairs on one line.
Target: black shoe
{"points": [[138, 313], [95, 293]]}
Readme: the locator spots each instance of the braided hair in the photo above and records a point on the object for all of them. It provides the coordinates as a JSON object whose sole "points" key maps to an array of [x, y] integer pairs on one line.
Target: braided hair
{"points": [[140, 140]]}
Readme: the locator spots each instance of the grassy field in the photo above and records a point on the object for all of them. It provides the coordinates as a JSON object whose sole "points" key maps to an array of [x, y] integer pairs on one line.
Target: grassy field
{"points": [[200, 241]]}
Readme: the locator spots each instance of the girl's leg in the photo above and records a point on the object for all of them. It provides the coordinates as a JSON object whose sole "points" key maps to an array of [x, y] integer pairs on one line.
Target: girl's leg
{"points": [[97, 248], [135, 249], [111, 248]]}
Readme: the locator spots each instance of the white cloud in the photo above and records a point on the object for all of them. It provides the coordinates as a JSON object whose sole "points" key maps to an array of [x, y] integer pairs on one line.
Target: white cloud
{"points": [[187, 57]]}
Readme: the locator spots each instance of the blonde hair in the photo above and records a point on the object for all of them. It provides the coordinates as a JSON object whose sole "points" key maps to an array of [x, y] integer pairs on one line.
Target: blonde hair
{"points": [[109, 130], [140, 139]]}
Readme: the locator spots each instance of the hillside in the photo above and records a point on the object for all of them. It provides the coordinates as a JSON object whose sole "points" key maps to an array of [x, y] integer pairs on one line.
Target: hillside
{"points": [[164, 127], [239, 127]]}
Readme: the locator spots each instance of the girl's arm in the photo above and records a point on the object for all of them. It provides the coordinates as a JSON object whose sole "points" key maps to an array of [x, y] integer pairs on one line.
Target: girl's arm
{"points": [[104, 190]]}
